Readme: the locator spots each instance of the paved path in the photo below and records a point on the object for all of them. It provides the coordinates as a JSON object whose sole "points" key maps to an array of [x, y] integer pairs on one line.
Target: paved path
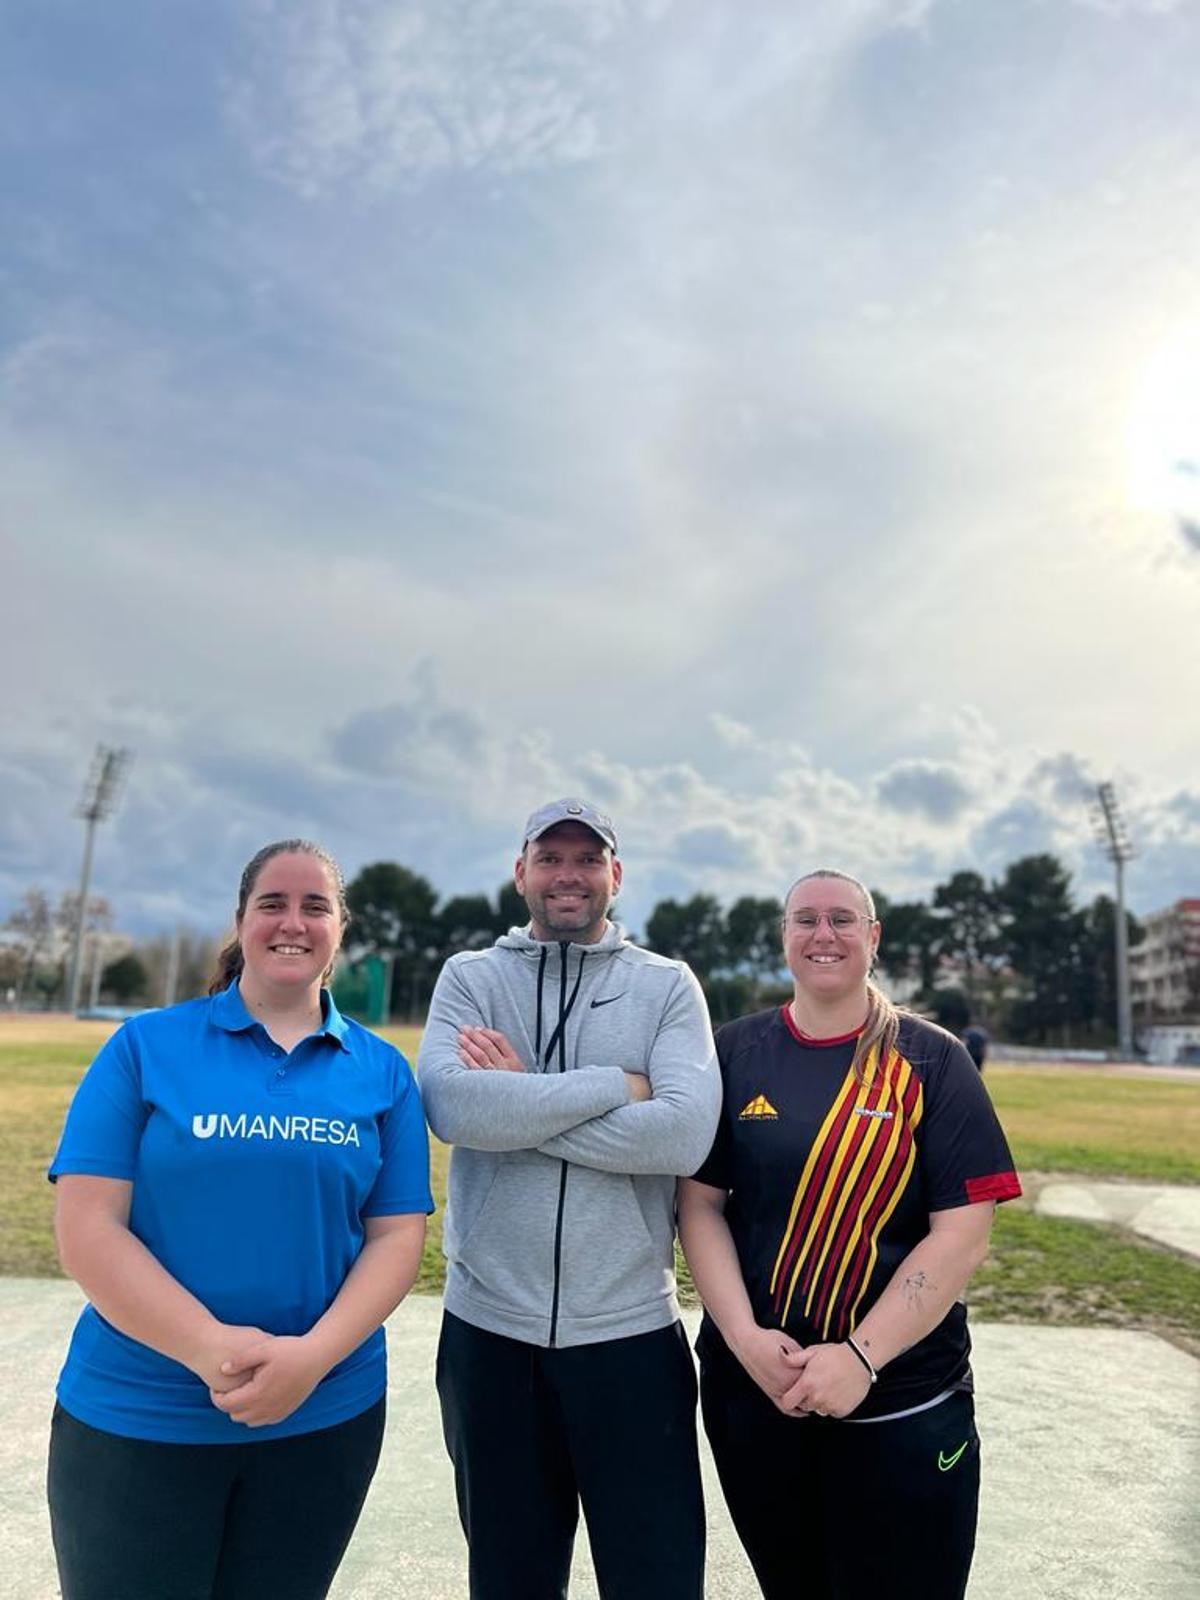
{"points": [[1040, 1060], [1091, 1477], [1168, 1214]]}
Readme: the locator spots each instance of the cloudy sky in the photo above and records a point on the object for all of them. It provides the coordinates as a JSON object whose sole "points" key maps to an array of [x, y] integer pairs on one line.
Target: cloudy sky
{"points": [[779, 423]]}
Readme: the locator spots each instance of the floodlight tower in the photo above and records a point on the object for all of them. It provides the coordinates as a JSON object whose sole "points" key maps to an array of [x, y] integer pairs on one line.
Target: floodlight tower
{"points": [[96, 803], [1114, 841]]}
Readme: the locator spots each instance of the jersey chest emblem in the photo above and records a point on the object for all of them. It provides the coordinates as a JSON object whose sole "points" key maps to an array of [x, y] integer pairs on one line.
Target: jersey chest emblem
{"points": [[759, 1109]]}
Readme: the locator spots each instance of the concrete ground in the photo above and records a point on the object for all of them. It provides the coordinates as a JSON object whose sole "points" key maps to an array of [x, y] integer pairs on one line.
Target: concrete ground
{"points": [[1167, 1214], [1091, 1467]]}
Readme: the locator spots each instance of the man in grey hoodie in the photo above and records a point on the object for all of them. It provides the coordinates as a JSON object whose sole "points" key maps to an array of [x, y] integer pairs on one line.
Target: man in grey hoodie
{"points": [[575, 1075]]}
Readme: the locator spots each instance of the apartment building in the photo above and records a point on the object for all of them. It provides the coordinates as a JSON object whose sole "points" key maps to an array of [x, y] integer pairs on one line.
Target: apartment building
{"points": [[1165, 967]]}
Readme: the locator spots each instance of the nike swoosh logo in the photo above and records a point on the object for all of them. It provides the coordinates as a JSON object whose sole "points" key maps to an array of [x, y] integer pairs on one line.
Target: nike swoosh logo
{"points": [[607, 1002], [945, 1462]]}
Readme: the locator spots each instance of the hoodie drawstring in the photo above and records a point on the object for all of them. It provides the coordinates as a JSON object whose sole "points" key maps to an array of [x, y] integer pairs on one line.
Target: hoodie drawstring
{"points": [[537, 1043], [559, 1036]]}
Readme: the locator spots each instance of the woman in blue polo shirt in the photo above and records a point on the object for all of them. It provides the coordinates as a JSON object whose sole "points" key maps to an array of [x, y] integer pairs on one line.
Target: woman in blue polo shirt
{"points": [[844, 1206], [242, 1186]]}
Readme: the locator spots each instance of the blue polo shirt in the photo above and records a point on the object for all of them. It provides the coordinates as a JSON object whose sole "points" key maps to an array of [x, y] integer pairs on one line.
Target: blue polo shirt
{"points": [[253, 1171]]}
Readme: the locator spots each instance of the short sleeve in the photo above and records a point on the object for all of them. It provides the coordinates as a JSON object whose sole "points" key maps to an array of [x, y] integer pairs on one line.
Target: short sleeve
{"points": [[402, 1186], [106, 1118], [965, 1157], [717, 1168]]}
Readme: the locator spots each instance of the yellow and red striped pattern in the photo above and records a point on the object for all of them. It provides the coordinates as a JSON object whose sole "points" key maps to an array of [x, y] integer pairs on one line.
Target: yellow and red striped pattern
{"points": [[857, 1170]]}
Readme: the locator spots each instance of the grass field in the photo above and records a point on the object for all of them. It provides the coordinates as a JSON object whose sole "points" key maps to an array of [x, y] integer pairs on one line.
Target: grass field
{"points": [[1045, 1269], [1069, 1119]]}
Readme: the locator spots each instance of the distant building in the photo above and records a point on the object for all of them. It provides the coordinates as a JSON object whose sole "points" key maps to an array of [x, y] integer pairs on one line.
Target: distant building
{"points": [[1171, 1043], [1165, 967], [1165, 981]]}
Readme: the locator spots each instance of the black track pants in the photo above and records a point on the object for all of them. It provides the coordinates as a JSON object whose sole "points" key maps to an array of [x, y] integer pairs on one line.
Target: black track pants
{"points": [[533, 1432], [134, 1519], [846, 1511]]}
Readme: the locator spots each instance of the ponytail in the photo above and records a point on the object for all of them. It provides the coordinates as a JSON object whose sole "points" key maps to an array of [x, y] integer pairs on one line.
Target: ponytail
{"points": [[229, 966], [879, 1033]]}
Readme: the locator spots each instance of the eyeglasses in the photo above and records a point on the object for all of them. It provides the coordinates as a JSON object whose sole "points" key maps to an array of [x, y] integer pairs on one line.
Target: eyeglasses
{"points": [[839, 920]]}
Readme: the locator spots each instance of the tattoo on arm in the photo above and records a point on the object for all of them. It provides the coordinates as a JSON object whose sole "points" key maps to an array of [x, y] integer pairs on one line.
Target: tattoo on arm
{"points": [[914, 1287]]}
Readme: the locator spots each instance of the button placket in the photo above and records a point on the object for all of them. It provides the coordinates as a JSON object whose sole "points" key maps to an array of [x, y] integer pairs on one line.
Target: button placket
{"points": [[279, 1079]]}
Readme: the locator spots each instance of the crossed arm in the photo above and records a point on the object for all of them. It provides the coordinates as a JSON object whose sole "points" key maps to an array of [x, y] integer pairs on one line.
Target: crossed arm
{"points": [[671, 1130], [502, 1109], [656, 1116], [829, 1379], [254, 1376]]}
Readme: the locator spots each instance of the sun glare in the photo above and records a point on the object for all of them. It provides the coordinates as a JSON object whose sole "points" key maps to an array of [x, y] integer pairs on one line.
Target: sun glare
{"points": [[1164, 430]]}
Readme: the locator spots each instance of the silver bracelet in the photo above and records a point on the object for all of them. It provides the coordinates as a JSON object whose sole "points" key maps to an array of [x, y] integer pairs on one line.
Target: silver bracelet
{"points": [[862, 1356]]}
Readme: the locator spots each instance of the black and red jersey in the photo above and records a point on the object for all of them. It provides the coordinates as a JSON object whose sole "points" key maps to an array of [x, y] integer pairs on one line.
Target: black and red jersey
{"points": [[831, 1180]]}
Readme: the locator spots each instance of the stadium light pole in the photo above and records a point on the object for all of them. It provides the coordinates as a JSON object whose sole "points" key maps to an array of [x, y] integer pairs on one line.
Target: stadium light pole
{"points": [[1114, 841], [96, 803], [171, 983]]}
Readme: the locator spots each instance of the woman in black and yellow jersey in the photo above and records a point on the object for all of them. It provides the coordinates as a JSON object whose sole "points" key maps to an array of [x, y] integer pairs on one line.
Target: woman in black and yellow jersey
{"points": [[844, 1206]]}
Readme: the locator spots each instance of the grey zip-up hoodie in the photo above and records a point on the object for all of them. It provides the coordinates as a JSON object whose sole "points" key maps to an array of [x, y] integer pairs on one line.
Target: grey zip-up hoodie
{"points": [[560, 1220]]}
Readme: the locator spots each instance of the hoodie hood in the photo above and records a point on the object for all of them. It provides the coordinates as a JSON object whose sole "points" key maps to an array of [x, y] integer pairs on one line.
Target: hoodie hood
{"points": [[519, 939]]}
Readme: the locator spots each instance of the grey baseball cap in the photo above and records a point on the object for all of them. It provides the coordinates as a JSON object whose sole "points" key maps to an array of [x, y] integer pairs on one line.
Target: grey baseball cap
{"points": [[549, 816]]}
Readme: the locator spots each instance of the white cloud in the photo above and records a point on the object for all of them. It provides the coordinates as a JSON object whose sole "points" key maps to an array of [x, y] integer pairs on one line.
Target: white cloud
{"points": [[621, 362], [719, 847], [926, 788], [386, 93], [428, 782], [1135, 8], [381, 92]]}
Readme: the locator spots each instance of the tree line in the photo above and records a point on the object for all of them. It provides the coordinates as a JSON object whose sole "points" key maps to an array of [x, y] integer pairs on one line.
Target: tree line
{"points": [[1015, 952], [37, 941], [1025, 958]]}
